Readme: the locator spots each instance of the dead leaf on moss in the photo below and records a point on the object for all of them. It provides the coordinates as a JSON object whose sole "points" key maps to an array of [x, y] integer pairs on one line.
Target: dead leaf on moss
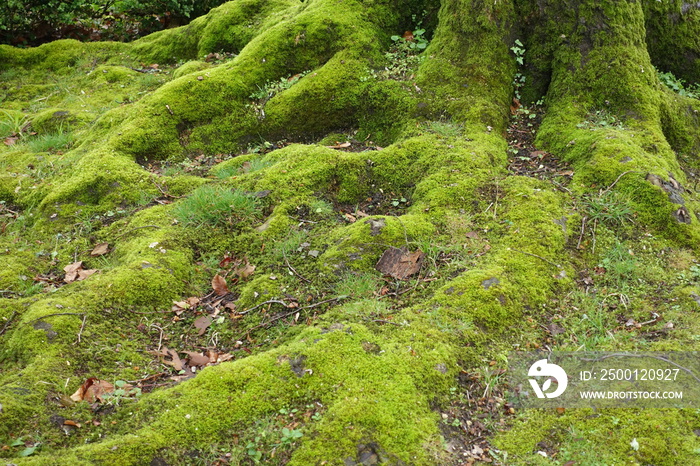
{"points": [[218, 283], [197, 359], [72, 271], [100, 250], [399, 263], [174, 360], [340, 146], [92, 390], [202, 323], [245, 271], [83, 274]]}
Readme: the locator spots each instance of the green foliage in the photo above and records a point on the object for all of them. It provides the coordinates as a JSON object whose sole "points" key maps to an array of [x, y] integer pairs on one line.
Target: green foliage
{"points": [[36, 21], [601, 119], [519, 80], [610, 208], [272, 88], [679, 85], [12, 123], [216, 206]]}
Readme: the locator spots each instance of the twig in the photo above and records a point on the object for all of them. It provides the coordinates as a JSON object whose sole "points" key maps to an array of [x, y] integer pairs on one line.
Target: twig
{"points": [[7, 324], [539, 257], [58, 314], [160, 336], [262, 304], [618, 179], [289, 266], [82, 326], [583, 229], [299, 309], [382, 321], [135, 228], [562, 187]]}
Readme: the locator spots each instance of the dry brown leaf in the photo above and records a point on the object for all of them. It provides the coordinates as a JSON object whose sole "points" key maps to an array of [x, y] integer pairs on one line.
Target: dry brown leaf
{"points": [[10, 141], [174, 360], [218, 283], [472, 235], [202, 323], [83, 274], [92, 390], [245, 271], [72, 271], [196, 359], [192, 301], [399, 263], [340, 146], [68, 422], [100, 249]]}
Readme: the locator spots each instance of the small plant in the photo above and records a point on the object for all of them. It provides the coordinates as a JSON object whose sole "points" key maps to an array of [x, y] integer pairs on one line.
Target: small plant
{"points": [[50, 142], [12, 124], [601, 119], [404, 55], [519, 80], [122, 391], [445, 129], [272, 88], [289, 436], [679, 86], [216, 206], [609, 208], [321, 208], [357, 284]]}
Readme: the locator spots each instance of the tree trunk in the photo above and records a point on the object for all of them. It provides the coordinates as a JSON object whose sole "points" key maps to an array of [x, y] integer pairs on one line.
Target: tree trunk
{"points": [[422, 155]]}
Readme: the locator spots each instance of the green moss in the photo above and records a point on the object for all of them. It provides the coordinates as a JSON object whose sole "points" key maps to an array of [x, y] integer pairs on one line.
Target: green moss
{"points": [[190, 67]]}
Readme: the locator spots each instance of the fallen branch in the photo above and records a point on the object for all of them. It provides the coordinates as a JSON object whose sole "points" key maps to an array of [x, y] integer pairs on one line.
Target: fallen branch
{"points": [[7, 324], [289, 266], [287, 314], [615, 182], [539, 257], [271, 301], [134, 229], [82, 326]]}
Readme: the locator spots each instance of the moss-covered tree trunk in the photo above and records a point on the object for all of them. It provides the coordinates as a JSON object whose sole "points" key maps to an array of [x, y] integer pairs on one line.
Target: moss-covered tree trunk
{"points": [[370, 369]]}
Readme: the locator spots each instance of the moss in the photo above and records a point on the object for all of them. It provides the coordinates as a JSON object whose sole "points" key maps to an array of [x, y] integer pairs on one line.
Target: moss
{"points": [[191, 66], [55, 119]]}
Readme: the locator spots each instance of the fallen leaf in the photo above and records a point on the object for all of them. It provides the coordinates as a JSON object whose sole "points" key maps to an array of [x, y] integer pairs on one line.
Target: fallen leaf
{"points": [[192, 301], [68, 422], [92, 390], [100, 249], [340, 146], [202, 323], [230, 306], [10, 141], [472, 235], [174, 360], [197, 359], [83, 274], [245, 271], [72, 271], [218, 283], [399, 263]]}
